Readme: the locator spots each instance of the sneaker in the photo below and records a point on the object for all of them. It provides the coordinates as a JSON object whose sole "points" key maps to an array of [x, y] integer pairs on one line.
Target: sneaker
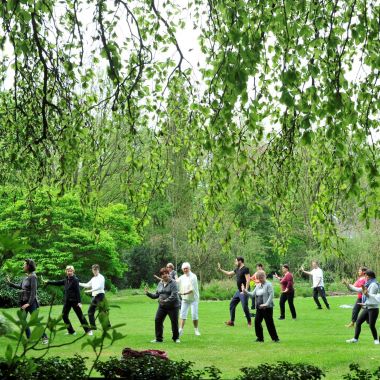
{"points": [[156, 341], [281, 318], [74, 333], [229, 323], [177, 341], [90, 333], [319, 308], [196, 332], [180, 332], [376, 341], [45, 341], [353, 340]]}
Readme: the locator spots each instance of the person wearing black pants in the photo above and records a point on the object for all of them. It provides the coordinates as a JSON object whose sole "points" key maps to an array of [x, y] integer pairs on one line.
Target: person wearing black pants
{"points": [[72, 300], [168, 304], [287, 292], [242, 279], [370, 311], [318, 284], [263, 294]]}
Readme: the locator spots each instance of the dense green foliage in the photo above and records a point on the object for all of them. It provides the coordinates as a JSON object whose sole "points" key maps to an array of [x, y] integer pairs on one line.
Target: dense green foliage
{"points": [[58, 231]]}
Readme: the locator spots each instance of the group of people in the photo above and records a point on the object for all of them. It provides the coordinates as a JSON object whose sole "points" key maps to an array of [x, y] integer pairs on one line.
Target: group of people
{"points": [[72, 298], [176, 295]]}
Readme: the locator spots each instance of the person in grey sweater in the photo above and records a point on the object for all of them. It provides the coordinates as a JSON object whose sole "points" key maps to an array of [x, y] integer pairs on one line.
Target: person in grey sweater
{"points": [[168, 304], [370, 307], [28, 294], [263, 294]]}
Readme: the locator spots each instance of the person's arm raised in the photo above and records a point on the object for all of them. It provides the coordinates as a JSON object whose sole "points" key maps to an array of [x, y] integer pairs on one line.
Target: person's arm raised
{"points": [[227, 273]]}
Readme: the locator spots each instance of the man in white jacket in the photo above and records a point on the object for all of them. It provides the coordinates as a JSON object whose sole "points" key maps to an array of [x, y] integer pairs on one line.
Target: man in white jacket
{"points": [[96, 287], [188, 290]]}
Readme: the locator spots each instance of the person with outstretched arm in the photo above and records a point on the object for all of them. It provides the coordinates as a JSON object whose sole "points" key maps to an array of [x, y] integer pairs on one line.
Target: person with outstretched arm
{"points": [[72, 300], [318, 284], [96, 287], [242, 278], [287, 291]]}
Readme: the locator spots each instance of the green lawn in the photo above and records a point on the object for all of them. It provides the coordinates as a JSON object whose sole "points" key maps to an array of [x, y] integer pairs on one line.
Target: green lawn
{"points": [[317, 337]]}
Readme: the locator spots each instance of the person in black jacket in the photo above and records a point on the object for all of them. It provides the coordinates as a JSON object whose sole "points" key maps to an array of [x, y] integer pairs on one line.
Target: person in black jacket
{"points": [[28, 294], [168, 304], [72, 299]]}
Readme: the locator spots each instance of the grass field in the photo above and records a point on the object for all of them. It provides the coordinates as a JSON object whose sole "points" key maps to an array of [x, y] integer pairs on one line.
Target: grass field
{"points": [[317, 337]]}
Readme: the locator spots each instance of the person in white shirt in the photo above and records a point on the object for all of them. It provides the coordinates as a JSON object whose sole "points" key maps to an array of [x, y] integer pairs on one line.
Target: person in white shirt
{"points": [[96, 287], [318, 284], [188, 290]]}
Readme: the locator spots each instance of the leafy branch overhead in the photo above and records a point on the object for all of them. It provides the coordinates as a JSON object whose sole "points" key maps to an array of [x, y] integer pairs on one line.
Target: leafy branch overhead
{"points": [[284, 94]]}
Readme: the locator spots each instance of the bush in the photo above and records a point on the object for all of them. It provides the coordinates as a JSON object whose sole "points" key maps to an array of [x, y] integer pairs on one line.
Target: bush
{"points": [[149, 367], [45, 369], [10, 297], [282, 371], [361, 374]]}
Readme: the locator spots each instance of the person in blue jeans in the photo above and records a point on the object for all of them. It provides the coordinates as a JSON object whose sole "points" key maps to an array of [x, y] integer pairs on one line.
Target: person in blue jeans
{"points": [[242, 278], [28, 293]]}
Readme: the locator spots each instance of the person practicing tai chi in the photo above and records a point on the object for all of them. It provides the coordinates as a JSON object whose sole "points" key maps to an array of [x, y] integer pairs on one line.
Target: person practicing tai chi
{"points": [[358, 284], [318, 284], [287, 292], [370, 307], [189, 292], [168, 304], [172, 272], [253, 278], [242, 278], [96, 287], [263, 294], [71, 299], [28, 294]]}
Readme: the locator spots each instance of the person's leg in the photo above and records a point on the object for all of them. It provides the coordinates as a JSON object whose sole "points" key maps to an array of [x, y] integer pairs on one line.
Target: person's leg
{"points": [[315, 297], [283, 299], [194, 316], [361, 319], [183, 315], [356, 310], [291, 304], [253, 306], [258, 328], [268, 317], [234, 301], [244, 303], [65, 316], [81, 317], [322, 292], [173, 315], [159, 323], [91, 313], [372, 318], [29, 310]]}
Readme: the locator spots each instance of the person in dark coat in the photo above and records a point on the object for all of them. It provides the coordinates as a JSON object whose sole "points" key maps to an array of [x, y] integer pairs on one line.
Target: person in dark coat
{"points": [[72, 300], [168, 304], [28, 293]]}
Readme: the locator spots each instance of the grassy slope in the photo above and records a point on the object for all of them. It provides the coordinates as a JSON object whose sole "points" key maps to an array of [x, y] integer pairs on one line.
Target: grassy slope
{"points": [[317, 337]]}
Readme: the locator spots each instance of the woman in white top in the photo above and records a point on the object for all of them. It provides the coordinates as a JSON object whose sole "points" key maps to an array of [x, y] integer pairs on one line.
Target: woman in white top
{"points": [[96, 287], [189, 292]]}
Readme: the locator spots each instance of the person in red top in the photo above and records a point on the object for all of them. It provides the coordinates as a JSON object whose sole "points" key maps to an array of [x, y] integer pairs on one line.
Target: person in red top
{"points": [[287, 292], [358, 284]]}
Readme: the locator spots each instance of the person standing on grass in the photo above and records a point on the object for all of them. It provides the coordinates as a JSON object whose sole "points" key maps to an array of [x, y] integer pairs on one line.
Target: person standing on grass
{"points": [[263, 294], [256, 281], [71, 299], [287, 292], [370, 307], [168, 304], [318, 284], [96, 287], [358, 284], [28, 295], [242, 278], [188, 290]]}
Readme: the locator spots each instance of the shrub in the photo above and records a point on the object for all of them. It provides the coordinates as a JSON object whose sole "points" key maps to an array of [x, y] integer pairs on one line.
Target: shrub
{"points": [[282, 371], [149, 367], [361, 374]]}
